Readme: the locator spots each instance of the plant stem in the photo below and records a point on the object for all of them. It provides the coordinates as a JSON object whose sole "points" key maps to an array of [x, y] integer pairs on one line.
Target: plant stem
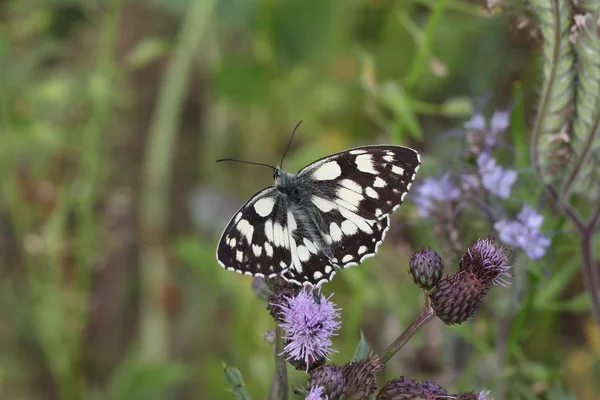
{"points": [[423, 318], [279, 388], [591, 278], [156, 181]]}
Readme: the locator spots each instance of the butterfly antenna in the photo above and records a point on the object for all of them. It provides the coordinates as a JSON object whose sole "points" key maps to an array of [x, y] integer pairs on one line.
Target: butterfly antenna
{"points": [[245, 162], [289, 143]]}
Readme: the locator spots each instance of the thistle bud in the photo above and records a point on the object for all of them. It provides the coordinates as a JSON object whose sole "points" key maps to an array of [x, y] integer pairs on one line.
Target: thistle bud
{"points": [[482, 395], [279, 299], [361, 377], [407, 389], [426, 268], [487, 261], [456, 297], [301, 364], [331, 379]]}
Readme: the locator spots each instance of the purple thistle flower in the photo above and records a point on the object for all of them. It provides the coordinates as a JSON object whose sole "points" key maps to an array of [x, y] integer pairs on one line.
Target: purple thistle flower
{"points": [[495, 178], [524, 232], [316, 393], [309, 326], [488, 261], [433, 192]]}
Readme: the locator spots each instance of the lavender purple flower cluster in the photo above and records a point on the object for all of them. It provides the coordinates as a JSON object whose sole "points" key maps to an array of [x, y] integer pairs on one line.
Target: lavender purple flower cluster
{"points": [[486, 185]]}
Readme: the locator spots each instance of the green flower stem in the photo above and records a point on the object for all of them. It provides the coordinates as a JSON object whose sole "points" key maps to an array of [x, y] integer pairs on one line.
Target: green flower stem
{"points": [[279, 388], [425, 316], [156, 181]]}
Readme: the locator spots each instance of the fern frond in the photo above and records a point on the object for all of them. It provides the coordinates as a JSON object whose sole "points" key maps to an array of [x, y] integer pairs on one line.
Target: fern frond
{"points": [[584, 169], [550, 148]]}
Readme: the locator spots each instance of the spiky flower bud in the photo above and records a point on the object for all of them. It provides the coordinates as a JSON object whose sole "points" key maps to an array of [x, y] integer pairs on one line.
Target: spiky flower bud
{"points": [[331, 379], [407, 389], [426, 268], [482, 395], [279, 299], [301, 364], [487, 261], [361, 377], [455, 298]]}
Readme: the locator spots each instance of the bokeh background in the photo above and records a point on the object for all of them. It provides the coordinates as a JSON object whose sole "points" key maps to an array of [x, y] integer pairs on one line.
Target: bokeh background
{"points": [[112, 114]]}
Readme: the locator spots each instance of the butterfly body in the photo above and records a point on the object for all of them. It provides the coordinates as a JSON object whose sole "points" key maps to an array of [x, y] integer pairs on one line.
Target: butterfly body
{"points": [[332, 214]]}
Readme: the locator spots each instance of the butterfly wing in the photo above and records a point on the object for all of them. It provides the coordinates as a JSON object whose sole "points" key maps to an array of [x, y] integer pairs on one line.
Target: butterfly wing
{"points": [[354, 192], [341, 218], [315, 257], [256, 240]]}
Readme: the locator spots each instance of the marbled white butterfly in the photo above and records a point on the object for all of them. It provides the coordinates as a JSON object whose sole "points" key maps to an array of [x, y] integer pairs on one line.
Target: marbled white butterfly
{"points": [[334, 213]]}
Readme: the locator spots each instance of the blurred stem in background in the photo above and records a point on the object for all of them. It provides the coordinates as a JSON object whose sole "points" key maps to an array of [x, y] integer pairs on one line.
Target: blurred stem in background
{"points": [[156, 182]]}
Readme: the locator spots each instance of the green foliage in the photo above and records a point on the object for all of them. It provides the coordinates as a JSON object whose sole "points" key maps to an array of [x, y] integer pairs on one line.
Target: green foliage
{"points": [[236, 383], [362, 349]]}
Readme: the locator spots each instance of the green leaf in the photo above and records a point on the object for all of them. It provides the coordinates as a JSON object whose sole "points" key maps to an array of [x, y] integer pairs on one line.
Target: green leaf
{"points": [[549, 291], [145, 52], [395, 97], [136, 380], [362, 350], [236, 382]]}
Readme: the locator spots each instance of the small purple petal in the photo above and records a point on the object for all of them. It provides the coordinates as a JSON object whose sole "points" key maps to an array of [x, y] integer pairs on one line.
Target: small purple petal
{"points": [[494, 178], [530, 218], [499, 122], [432, 192], [476, 123], [524, 232], [316, 393]]}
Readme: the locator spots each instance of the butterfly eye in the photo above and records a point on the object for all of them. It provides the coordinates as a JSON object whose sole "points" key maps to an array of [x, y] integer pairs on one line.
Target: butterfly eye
{"points": [[275, 173]]}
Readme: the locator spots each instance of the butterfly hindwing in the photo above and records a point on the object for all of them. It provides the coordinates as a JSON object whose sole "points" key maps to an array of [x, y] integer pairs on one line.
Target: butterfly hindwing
{"points": [[344, 244], [256, 242]]}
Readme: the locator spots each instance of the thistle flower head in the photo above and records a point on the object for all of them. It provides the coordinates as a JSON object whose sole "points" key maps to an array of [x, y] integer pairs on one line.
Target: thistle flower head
{"points": [[405, 388], [309, 326], [482, 395], [434, 192], [426, 268], [494, 178], [456, 298], [316, 393], [331, 378], [361, 377], [524, 232], [487, 261]]}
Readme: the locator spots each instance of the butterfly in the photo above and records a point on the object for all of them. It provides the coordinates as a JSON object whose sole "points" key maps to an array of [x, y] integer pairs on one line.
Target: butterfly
{"points": [[334, 213]]}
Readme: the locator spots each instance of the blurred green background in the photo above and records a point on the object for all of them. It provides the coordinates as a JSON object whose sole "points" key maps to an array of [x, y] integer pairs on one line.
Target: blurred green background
{"points": [[112, 114]]}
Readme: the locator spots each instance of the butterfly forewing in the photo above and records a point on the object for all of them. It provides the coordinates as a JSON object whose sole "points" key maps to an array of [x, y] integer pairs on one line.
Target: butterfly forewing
{"points": [[370, 181]]}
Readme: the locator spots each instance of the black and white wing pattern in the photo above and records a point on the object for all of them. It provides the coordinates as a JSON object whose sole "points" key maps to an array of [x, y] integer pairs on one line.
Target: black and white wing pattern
{"points": [[333, 214], [253, 242], [354, 192]]}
